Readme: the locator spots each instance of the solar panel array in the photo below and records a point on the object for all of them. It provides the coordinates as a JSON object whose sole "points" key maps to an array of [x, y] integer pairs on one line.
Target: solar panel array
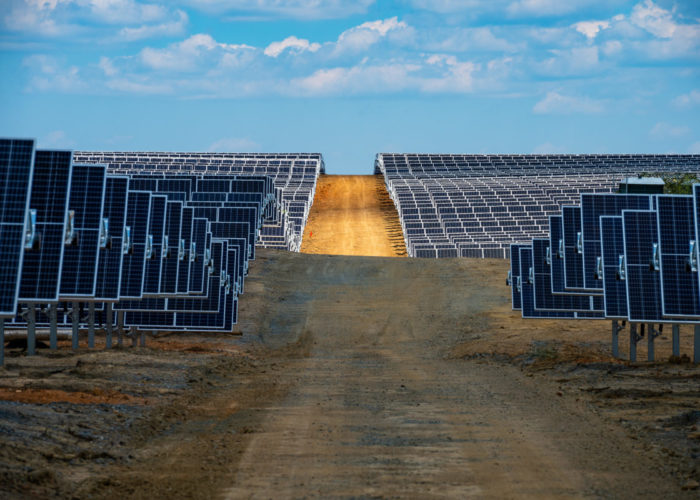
{"points": [[477, 205], [293, 176], [166, 250], [615, 256]]}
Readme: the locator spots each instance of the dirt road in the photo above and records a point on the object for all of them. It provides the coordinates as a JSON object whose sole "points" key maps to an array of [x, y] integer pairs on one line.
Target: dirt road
{"points": [[353, 215], [357, 377]]}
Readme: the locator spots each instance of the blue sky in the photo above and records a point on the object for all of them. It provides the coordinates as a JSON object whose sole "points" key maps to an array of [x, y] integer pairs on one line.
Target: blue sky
{"points": [[353, 78]]}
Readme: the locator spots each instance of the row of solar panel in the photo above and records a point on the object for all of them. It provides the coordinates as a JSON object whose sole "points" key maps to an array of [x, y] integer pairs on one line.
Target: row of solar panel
{"points": [[499, 199], [616, 256], [294, 176], [170, 252]]}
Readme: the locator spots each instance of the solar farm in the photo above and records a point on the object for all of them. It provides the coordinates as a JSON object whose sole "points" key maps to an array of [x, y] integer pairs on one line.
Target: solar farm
{"points": [[177, 292]]}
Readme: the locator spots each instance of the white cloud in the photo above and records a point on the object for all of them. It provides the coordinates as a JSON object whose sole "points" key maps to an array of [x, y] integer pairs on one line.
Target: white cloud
{"points": [[132, 85], [171, 28], [467, 40], [449, 6], [107, 66], [611, 48], [294, 44], [365, 35], [591, 28], [197, 51], [63, 17], [690, 99], [654, 19], [298, 9], [575, 61], [234, 145], [52, 75], [541, 8], [356, 79], [663, 130], [556, 103], [438, 73]]}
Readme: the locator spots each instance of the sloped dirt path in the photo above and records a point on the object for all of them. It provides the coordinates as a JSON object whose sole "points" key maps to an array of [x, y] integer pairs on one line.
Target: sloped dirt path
{"points": [[353, 215]]}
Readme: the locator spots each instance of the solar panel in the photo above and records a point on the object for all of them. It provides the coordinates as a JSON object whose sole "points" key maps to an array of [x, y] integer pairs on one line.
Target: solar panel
{"points": [[169, 267], [197, 250], [613, 257], [134, 245], [641, 266], [556, 244], [16, 167], [544, 299], [528, 293], [573, 250], [183, 271], [48, 206], [154, 247], [109, 264], [594, 205], [227, 314], [82, 241], [515, 276], [680, 297]]}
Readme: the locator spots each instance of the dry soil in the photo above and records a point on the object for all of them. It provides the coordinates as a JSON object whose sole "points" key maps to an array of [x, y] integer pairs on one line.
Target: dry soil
{"points": [[353, 215]]}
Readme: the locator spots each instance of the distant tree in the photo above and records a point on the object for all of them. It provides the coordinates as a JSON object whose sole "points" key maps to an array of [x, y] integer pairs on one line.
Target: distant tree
{"points": [[676, 183]]}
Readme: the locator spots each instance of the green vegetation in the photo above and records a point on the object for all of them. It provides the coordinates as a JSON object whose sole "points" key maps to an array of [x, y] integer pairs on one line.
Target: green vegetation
{"points": [[678, 183]]}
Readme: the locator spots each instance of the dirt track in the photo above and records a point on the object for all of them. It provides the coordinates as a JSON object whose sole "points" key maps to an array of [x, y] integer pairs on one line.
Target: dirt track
{"points": [[358, 377], [353, 215]]}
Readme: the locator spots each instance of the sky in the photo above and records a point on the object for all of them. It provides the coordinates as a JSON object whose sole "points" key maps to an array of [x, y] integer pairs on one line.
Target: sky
{"points": [[350, 79]]}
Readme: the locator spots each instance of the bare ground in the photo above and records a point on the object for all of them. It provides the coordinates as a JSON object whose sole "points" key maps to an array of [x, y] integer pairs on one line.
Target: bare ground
{"points": [[356, 377], [353, 215]]}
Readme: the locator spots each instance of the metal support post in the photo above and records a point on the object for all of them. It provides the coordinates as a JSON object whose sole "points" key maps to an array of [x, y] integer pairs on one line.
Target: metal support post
{"points": [[132, 334], [53, 326], [651, 335], [120, 328], [91, 325], [108, 325], [75, 320], [143, 338], [676, 340], [696, 345], [615, 338], [31, 330], [2, 341], [634, 338]]}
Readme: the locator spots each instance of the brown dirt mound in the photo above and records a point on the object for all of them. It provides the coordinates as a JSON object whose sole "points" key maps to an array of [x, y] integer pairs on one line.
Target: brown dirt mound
{"points": [[45, 396], [353, 215]]}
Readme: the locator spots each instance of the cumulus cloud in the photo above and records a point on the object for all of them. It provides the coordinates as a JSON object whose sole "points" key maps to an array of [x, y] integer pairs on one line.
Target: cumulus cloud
{"points": [[556, 103], [133, 19], [52, 75], [297, 9], [654, 19], [438, 73], [590, 29], [690, 99], [197, 51], [293, 44], [175, 27], [664, 130], [365, 35]]}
